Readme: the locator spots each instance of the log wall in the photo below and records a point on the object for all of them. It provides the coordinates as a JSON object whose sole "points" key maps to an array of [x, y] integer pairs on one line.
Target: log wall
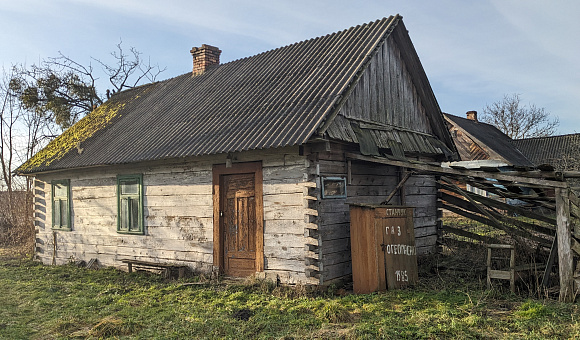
{"points": [[178, 213], [369, 183]]}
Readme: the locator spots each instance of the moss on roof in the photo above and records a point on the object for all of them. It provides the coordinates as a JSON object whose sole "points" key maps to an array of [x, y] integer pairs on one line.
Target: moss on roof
{"points": [[76, 134]]}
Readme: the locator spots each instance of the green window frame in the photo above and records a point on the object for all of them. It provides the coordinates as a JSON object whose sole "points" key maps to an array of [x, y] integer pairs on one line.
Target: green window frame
{"points": [[130, 204], [61, 204]]}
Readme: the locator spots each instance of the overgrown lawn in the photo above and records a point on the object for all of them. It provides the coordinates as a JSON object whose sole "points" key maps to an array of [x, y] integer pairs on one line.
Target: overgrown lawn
{"points": [[66, 302]]}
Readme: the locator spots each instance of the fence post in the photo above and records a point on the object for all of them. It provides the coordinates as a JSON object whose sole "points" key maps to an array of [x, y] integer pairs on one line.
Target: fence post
{"points": [[565, 263]]}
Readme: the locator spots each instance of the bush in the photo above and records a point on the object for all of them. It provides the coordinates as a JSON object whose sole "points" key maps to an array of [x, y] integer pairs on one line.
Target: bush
{"points": [[16, 222]]}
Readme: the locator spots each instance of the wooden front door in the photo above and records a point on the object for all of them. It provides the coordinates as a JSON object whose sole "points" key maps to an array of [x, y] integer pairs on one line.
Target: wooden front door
{"points": [[239, 224], [238, 219]]}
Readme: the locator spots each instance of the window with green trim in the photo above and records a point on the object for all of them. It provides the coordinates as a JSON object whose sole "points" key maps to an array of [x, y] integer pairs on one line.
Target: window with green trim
{"points": [[130, 204], [60, 196]]}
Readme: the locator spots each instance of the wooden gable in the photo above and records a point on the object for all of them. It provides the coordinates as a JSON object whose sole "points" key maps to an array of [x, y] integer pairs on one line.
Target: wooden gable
{"points": [[386, 93], [391, 106]]}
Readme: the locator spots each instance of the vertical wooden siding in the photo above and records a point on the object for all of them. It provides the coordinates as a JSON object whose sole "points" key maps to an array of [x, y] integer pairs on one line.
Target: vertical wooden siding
{"points": [[385, 93]]}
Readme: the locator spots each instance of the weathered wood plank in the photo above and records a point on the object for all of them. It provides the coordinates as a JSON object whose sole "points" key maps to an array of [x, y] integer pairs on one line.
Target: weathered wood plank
{"points": [[336, 270], [565, 260], [285, 226]]}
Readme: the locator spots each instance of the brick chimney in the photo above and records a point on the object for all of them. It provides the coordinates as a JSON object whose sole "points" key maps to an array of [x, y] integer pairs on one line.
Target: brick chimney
{"points": [[472, 115], [204, 58]]}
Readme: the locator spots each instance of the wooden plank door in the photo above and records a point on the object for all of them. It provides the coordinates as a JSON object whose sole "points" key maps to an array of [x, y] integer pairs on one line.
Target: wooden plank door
{"points": [[395, 236], [239, 227]]}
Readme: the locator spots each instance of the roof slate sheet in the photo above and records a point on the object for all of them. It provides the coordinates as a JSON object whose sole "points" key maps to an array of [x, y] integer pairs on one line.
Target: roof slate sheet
{"points": [[549, 150], [273, 99]]}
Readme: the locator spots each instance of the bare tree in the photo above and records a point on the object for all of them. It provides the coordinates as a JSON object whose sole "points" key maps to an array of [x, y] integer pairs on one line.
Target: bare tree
{"points": [[9, 115], [519, 121], [129, 70], [64, 90]]}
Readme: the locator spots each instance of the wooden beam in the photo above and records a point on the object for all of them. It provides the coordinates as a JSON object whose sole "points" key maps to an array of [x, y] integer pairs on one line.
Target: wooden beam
{"points": [[515, 176], [565, 263], [550, 264], [505, 206], [399, 186], [467, 211], [468, 234], [473, 203]]}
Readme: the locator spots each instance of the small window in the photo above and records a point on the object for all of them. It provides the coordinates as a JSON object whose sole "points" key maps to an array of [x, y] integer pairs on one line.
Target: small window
{"points": [[333, 187], [61, 205], [130, 204]]}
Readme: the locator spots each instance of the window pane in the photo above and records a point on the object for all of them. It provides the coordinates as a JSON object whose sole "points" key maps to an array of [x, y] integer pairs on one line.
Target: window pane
{"points": [[134, 207], [56, 212], [60, 190], [63, 213], [124, 214], [334, 187], [130, 186]]}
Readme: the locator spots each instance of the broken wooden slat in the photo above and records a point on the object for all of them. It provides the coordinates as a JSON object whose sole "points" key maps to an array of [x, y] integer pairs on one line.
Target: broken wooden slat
{"points": [[505, 206], [468, 234], [490, 223], [399, 186], [550, 264]]}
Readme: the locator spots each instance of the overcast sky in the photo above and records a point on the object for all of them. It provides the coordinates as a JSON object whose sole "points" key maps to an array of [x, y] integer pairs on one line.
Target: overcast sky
{"points": [[474, 52]]}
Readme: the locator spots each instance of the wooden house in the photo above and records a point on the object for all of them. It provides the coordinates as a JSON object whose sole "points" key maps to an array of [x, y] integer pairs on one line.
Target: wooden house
{"points": [[242, 167], [483, 143]]}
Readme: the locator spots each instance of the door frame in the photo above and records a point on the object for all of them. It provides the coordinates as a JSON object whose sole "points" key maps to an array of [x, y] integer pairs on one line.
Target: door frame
{"points": [[218, 171]]}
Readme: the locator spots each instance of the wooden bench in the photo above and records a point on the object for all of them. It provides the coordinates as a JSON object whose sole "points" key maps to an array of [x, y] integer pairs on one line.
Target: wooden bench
{"points": [[508, 273], [166, 268]]}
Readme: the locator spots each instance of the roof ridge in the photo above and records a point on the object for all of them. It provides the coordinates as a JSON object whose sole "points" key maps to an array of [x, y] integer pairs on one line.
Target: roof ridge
{"points": [[311, 39]]}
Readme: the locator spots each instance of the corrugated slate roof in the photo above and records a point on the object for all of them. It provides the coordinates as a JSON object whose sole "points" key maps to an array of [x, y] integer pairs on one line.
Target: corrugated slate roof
{"points": [[491, 138], [549, 150], [273, 99]]}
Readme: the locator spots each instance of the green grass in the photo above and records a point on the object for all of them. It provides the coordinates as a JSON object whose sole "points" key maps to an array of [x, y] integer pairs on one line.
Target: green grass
{"points": [[66, 302]]}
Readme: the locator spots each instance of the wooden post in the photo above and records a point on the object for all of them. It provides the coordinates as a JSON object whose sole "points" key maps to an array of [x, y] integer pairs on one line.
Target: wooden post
{"points": [[565, 263]]}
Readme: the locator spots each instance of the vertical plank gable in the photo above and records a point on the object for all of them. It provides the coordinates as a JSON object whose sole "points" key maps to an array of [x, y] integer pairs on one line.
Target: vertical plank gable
{"points": [[386, 93]]}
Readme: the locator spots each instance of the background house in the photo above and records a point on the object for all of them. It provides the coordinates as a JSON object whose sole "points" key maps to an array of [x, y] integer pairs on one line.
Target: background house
{"points": [[478, 141], [561, 152], [242, 167]]}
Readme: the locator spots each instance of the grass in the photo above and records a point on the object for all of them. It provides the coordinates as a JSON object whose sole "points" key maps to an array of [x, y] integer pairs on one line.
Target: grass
{"points": [[66, 302]]}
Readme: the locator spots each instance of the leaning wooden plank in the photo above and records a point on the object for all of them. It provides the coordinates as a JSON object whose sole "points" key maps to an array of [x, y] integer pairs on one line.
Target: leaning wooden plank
{"points": [[525, 225], [574, 210], [499, 217], [529, 226], [468, 234], [504, 206], [574, 199], [490, 223], [398, 187]]}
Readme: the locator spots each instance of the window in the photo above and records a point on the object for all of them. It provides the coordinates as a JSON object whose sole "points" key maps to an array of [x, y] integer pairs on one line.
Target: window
{"points": [[61, 204], [333, 187], [130, 204]]}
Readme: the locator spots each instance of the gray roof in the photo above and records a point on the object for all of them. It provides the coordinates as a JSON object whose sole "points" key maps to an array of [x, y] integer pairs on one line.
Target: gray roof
{"points": [[549, 150], [491, 139], [273, 99]]}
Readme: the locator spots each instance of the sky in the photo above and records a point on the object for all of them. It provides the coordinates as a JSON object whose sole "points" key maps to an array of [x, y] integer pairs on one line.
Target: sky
{"points": [[474, 52]]}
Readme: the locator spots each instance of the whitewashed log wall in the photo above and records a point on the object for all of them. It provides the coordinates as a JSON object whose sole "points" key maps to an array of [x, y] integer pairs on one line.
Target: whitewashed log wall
{"points": [[178, 214]]}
